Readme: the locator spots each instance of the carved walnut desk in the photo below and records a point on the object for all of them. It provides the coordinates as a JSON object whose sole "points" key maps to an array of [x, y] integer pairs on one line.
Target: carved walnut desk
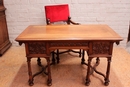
{"points": [[96, 40]]}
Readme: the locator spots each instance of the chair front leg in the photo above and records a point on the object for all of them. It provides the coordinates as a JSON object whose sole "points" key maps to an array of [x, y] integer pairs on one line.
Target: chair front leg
{"points": [[57, 53]]}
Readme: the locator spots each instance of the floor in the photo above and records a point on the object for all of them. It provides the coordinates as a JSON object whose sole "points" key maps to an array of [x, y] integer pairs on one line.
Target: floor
{"points": [[68, 73]]}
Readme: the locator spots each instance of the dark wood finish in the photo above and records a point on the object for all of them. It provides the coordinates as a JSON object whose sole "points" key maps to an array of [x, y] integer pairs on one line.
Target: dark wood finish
{"points": [[40, 41], [4, 37]]}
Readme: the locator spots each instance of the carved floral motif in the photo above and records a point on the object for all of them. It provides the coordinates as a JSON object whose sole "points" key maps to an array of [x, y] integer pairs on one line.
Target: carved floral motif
{"points": [[101, 47], [36, 48]]}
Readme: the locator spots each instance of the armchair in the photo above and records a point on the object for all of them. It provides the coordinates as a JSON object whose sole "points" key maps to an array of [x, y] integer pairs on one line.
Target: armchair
{"points": [[59, 13]]}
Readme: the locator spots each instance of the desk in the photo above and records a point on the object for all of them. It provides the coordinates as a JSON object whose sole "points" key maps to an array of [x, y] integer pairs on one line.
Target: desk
{"points": [[96, 40]]}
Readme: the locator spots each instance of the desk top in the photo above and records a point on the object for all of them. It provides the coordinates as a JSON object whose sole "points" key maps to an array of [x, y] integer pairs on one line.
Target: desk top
{"points": [[68, 32]]}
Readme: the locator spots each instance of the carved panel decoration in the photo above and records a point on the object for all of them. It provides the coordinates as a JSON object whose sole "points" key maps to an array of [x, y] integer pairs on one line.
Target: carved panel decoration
{"points": [[69, 44], [37, 48], [101, 47]]}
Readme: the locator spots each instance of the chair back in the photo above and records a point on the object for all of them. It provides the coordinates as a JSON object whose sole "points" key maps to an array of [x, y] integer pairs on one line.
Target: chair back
{"points": [[55, 13]]}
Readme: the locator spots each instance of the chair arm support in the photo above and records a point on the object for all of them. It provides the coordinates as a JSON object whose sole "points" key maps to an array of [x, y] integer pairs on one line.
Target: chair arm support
{"points": [[72, 22]]}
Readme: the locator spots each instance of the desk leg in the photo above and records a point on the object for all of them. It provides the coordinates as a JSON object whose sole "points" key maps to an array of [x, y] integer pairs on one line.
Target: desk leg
{"points": [[49, 81], [88, 72], [106, 78], [30, 71], [30, 81], [107, 72]]}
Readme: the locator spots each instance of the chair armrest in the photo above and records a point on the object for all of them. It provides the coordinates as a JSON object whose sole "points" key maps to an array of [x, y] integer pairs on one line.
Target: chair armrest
{"points": [[72, 22]]}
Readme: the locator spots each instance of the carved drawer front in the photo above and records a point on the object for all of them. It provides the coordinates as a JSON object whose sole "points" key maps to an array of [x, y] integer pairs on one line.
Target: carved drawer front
{"points": [[36, 47], [101, 47]]}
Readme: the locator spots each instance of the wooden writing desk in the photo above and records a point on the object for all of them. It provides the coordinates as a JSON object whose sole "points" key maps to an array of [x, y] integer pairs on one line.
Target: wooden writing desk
{"points": [[96, 40]]}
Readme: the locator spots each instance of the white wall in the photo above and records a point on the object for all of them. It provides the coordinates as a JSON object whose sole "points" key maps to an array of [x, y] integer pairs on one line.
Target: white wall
{"points": [[115, 13]]}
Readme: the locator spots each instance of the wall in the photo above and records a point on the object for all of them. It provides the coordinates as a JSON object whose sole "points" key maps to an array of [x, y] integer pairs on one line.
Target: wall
{"points": [[115, 13]]}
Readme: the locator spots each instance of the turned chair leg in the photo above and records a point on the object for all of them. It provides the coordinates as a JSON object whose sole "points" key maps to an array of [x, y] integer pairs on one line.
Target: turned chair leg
{"points": [[80, 53], [57, 53], [83, 59], [39, 61], [97, 60], [53, 57]]}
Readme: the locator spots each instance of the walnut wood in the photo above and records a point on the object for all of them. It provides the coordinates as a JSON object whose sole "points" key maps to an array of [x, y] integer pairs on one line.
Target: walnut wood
{"points": [[68, 32], [96, 40], [4, 37]]}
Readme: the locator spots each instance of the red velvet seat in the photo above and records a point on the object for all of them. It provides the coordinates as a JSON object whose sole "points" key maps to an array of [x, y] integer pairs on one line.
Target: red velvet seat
{"points": [[58, 13]]}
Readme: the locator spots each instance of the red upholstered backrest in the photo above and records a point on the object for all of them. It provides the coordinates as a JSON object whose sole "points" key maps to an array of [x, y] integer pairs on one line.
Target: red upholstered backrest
{"points": [[57, 12]]}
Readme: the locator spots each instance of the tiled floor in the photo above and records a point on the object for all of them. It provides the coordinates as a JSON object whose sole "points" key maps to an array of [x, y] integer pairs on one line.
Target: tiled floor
{"points": [[68, 73]]}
